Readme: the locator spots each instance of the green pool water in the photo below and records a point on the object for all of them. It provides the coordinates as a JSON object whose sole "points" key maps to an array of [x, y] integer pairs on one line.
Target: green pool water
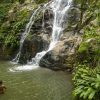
{"points": [[38, 84]]}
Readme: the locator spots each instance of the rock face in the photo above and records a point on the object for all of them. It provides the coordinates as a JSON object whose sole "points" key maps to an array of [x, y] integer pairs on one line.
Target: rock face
{"points": [[39, 37], [31, 47], [62, 56]]}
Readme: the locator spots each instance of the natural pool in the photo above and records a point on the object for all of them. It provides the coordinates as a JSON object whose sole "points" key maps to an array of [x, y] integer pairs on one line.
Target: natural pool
{"points": [[38, 84]]}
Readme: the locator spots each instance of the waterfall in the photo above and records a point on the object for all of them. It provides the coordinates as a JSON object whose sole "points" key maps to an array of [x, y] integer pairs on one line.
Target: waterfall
{"points": [[26, 33], [60, 9], [27, 30]]}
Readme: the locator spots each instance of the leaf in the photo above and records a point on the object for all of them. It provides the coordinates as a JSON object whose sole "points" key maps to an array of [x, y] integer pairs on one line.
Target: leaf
{"points": [[92, 94], [97, 85], [98, 76]]}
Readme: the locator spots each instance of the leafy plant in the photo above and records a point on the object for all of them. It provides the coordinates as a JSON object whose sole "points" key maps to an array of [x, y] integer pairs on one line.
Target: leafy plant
{"points": [[9, 30], [4, 8], [89, 49], [87, 83]]}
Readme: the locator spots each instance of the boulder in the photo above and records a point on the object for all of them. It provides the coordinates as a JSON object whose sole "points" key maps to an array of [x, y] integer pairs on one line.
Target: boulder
{"points": [[31, 47], [63, 54]]}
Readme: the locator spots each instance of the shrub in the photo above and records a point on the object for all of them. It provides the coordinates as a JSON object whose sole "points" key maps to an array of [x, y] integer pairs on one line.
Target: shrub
{"points": [[87, 83], [10, 30]]}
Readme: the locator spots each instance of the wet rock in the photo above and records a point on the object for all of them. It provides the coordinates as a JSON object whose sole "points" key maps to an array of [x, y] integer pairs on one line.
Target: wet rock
{"points": [[62, 56], [72, 18], [31, 47]]}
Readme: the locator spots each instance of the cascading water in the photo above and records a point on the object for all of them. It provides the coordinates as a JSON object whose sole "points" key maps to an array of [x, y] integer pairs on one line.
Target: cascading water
{"points": [[27, 30], [60, 8], [26, 33]]}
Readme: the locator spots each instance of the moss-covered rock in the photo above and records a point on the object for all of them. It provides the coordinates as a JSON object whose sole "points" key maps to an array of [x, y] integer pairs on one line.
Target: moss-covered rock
{"points": [[89, 49], [13, 19]]}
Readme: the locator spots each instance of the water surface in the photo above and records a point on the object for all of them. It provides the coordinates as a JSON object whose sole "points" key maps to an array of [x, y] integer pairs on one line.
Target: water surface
{"points": [[38, 84]]}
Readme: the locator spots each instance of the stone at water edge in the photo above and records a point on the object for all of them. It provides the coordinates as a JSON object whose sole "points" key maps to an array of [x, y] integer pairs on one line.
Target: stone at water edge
{"points": [[62, 57]]}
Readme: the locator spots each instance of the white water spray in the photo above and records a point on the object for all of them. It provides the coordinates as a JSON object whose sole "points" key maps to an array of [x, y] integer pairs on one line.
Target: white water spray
{"points": [[60, 8]]}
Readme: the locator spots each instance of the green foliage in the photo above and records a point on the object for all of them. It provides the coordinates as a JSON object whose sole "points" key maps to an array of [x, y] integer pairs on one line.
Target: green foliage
{"points": [[90, 10], [83, 47], [86, 79], [89, 49], [6, 1], [40, 1], [4, 8], [10, 29], [91, 32], [11, 41], [21, 1], [87, 83], [87, 75], [20, 20], [12, 1]]}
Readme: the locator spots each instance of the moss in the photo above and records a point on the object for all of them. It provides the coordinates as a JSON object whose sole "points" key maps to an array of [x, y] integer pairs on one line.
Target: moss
{"points": [[13, 20], [4, 8], [91, 32], [83, 47], [89, 49], [40, 1], [15, 24]]}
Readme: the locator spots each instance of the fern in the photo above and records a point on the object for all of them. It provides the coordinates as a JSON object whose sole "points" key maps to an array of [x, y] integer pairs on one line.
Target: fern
{"points": [[87, 83]]}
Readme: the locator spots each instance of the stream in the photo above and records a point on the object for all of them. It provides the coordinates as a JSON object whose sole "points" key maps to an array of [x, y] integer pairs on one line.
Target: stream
{"points": [[38, 84]]}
